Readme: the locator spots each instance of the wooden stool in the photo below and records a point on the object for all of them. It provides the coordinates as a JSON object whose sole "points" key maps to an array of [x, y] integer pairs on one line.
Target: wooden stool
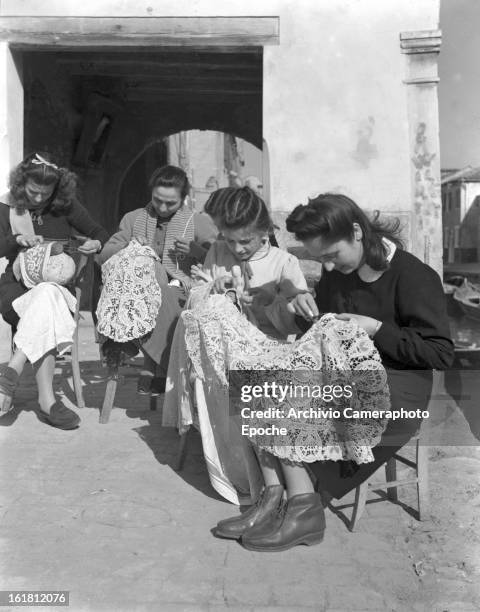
{"points": [[114, 359], [181, 452], [420, 465], [79, 284]]}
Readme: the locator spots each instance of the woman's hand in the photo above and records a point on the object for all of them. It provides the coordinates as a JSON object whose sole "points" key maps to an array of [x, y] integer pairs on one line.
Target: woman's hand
{"points": [[368, 324], [28, 241], [256, 297], [142, 240], [222, 283], [182, 246], [90, 246], [305, 306], [198, 273], [245, 299]]}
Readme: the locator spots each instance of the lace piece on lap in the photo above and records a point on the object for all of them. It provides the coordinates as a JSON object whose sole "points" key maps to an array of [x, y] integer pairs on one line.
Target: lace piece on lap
{"points": [[333, 352], [131, 296]]}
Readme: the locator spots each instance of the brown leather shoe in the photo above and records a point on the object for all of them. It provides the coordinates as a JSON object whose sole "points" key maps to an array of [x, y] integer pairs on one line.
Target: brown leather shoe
{"points": [[302, 522], [269, 501]]}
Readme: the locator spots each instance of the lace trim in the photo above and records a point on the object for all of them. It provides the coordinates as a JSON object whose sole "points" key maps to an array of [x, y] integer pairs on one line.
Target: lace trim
{"points": [[131, 296], [219, 338]]}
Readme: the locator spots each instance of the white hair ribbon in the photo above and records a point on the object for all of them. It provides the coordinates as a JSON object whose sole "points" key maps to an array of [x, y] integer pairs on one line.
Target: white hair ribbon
{"points": [[38, 160]]}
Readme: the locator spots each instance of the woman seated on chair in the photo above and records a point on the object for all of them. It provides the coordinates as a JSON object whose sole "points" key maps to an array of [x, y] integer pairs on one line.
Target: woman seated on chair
{"points": [[244, 268], [264, 284], [398, 301], [180, 237], [42, 206]]}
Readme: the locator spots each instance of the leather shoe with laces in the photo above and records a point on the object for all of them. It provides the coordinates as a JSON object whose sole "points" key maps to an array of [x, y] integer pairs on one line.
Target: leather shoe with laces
{"points": [[269, 501], [302, 521]]}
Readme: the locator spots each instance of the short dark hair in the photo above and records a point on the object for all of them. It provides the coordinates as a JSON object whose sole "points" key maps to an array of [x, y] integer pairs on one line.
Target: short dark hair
{"points": [[331, 216], [236, 207], [170, 176]]}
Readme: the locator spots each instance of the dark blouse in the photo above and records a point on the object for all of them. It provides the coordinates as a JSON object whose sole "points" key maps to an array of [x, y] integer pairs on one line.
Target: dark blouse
{"points": [[54, 226], [76, 221], [409, 301]]}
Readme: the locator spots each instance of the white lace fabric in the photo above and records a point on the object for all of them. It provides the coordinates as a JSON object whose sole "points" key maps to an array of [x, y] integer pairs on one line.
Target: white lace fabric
{"points": [[131, 296], [218, 339]]}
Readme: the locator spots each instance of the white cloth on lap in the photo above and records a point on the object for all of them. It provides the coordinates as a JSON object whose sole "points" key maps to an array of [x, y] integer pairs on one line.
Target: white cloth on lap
{"points": [[45, 322]]}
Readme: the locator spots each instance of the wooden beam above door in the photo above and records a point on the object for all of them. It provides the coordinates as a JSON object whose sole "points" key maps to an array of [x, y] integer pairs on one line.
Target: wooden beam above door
{"points": [[55, 32]]}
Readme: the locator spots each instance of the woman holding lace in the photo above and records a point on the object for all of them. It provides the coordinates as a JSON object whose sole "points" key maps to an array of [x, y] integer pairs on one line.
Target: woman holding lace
{"points": [[180, 237], [395, 299], [41, 206], [260, 280], [244, 268]]}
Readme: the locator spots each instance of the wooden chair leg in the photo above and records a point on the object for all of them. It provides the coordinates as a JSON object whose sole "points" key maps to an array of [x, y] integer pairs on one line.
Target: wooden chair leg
{"points": [[109, 398], [77, 379], [391, 476], [359, 504], [422, 481], [153, 402], [182, 451]]}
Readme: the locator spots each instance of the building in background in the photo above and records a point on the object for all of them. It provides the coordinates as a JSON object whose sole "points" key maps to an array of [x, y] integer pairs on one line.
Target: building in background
{"points": [[339, 96], [461, 215], [213, 160]]}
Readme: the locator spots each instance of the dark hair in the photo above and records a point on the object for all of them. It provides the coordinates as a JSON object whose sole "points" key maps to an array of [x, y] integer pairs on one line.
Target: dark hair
{"points": [[40, 169], [235, 207], [331, 216], [170, 176]]}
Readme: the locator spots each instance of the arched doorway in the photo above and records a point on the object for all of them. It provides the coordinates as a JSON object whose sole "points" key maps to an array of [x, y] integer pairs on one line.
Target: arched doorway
{"points": [[211, 159]]}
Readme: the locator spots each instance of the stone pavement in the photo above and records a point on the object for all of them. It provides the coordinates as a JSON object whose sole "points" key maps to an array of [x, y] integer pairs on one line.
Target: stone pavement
{"points": [[100, 512]]}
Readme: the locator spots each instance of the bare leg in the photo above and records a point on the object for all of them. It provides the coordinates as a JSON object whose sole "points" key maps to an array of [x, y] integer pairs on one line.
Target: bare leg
{"points": [[297, 480], [44, 370], [18, 361], [271, 469]]}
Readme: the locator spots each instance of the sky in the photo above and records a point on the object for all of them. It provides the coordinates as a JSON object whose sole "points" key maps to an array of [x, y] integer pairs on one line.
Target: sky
{"points": [[459, 88]]}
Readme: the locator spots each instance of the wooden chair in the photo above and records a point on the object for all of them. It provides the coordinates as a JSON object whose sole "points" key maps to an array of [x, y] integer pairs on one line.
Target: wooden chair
{"points": [[114, 359], [419, 478], [182, 447], [80, 283]]}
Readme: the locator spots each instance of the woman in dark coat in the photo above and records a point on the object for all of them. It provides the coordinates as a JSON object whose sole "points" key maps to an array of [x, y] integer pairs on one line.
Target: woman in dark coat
{"points": [[42, 205]]}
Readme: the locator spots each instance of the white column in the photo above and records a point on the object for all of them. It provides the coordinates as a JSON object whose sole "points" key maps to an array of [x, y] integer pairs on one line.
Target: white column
{"points": [[11, 144], [421, 50]]}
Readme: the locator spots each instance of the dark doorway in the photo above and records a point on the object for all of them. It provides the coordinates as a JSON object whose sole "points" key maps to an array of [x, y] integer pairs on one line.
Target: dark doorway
{"points": [[96, 109], [134, 190]]}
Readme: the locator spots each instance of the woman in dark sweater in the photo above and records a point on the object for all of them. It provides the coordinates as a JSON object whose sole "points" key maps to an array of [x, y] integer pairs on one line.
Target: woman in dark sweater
{"points": [[399, 302], [42, 205], [397, 299]]}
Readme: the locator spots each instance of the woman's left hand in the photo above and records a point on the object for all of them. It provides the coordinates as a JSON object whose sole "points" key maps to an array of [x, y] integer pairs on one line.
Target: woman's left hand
{"points": [[368, 324], [256, 297], [182, 246], [90, 246]]}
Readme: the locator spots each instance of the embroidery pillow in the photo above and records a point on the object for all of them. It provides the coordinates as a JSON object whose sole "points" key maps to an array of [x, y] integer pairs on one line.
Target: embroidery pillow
{"points": [[44, 263]]}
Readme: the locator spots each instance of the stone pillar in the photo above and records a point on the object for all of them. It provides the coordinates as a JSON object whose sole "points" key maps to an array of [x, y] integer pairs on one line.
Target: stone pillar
{"points": [[11, 144], [421, 53]]}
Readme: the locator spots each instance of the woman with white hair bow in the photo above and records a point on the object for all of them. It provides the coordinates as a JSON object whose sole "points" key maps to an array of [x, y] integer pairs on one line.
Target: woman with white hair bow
{"points": [[42, 206]]}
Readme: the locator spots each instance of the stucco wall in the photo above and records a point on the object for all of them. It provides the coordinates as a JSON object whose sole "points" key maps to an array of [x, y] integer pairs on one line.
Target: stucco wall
{"points": [[337, 114], [335, 104]]}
